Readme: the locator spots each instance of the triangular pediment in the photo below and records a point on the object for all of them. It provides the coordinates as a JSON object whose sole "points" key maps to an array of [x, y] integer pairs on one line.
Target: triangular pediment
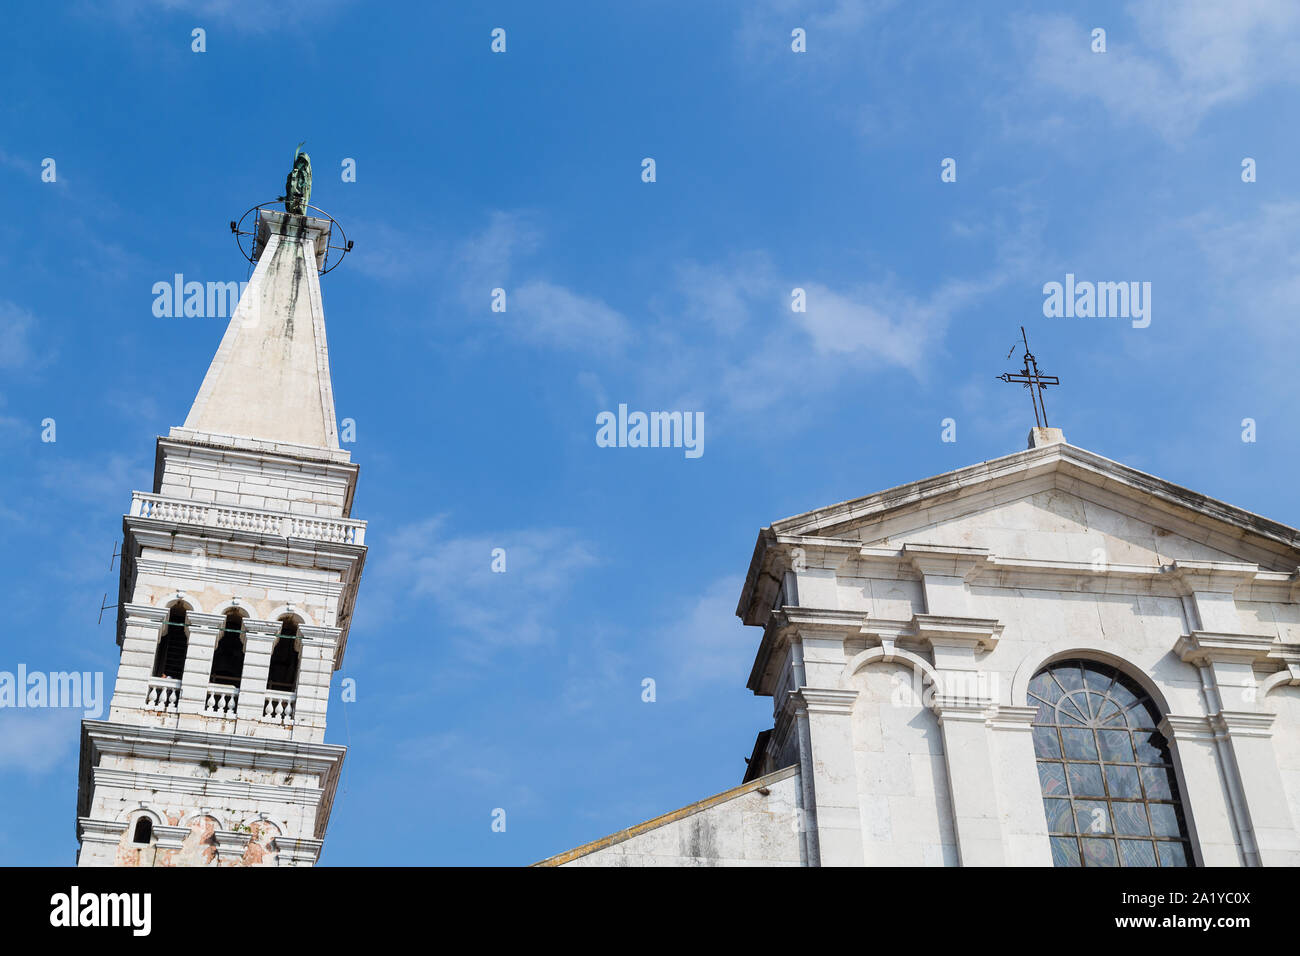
{"points": [[1045, 498], [1054, 503]]}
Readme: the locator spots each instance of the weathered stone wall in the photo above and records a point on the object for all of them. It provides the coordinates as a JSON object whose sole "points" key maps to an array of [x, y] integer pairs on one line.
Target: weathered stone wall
{"points": [[755, 825]]}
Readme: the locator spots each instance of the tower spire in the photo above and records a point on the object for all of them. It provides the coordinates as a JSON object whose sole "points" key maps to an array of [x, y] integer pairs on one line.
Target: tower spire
{"points": [[270, 379]]}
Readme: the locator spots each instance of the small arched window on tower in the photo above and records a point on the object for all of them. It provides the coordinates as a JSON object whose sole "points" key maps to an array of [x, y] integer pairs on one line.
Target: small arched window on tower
{"points": [[169, 661], [283, 675], [228, 659], [143, 832]]}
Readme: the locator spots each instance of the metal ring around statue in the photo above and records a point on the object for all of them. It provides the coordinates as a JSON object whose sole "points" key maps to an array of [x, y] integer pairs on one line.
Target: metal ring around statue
{"points": [[237, 227]]}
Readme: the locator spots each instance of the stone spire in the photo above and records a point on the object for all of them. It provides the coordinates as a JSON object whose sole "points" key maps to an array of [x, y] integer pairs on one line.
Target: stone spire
{"points": [[270, 379]]}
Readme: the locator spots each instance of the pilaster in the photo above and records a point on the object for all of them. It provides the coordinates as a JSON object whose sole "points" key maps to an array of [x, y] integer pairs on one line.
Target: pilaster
{"points": [[1024, 820], [834, 773], [1213, 818], [202, 631], [1243, 733]]}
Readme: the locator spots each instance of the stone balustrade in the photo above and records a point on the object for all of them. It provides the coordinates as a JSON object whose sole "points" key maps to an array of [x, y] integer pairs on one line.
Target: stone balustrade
{"points": [[163, 693], [278, 707], [221, 700], [311, 527]]}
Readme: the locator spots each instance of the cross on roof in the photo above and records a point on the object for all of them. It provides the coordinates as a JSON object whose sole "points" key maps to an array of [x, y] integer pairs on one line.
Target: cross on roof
{"points": [[1032, 380]]}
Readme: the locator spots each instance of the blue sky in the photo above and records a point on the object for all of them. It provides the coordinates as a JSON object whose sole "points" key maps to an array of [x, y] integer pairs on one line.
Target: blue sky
{"points": [[476, 430]]}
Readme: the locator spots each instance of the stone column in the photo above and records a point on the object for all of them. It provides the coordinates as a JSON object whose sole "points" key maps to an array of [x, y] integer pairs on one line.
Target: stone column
{"points": [[202, 631], [259, 639], [315, 668], [141, 632]]}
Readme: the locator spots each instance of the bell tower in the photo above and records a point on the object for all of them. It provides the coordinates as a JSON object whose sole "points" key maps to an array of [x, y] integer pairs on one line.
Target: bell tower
{"points": [[240, 570]]}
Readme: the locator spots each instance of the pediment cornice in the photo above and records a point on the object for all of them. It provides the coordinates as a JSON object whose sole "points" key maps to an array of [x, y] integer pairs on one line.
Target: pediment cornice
{"points": [[1271, 548]]}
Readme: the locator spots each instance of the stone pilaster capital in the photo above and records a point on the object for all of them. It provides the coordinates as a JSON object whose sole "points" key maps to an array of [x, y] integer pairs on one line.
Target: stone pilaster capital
{"points": [[947, 631], [261, 630], [144, 614], [1213, 576], [825, 700], [231, 844], [320, 635], [945, 560], [1176, 728], [968, 709], [293, 851], [170, 838], [1216, 647], [1007, 717], [205, 622], [1240, 723], [100, 831]]}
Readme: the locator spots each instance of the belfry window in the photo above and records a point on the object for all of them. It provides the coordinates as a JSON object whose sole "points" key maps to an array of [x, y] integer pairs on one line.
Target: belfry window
{"points": [[1106, 773], [283, 675], [228, 659], [143, 831], [169, 660]]}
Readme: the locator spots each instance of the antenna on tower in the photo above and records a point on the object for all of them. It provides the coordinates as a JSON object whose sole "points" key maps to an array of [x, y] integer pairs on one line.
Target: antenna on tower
{"points": [[104, 606]]}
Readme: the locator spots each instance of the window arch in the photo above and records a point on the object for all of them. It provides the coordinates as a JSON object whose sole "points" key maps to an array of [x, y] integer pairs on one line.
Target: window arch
{"points": [[228, 658], [169, 660], [283, 674], [143, 831], [1106, 773]]}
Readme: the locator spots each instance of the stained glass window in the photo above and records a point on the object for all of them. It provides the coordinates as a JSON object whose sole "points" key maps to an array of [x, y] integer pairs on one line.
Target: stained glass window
{"points": [[1107, 777]]}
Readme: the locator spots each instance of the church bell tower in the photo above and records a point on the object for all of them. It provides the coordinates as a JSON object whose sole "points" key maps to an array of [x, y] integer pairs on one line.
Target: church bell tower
{"points": [[240, 570]]}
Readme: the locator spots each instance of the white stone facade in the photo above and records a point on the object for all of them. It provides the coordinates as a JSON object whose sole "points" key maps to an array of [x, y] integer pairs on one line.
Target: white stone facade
{"points": [[901, 632], [250, 516]]}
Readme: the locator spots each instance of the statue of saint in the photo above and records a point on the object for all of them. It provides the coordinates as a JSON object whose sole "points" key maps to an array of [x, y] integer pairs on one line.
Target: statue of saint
{"points": [[297, 186]]}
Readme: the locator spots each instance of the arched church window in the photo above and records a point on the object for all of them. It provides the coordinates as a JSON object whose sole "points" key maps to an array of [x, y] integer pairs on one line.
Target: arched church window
{"points": [[228, 658], [283, 675], [169, 660], [143, 830], [1106, 772]]}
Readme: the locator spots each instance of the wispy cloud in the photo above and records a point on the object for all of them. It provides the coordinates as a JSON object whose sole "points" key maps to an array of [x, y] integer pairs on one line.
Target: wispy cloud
{"points": [[479, 610], [238, 14], [16, 347], [707, 644], [1170, 64]]}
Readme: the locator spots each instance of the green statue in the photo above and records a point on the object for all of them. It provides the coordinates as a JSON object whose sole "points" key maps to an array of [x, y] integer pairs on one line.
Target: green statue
{"points": [[297, 186]]}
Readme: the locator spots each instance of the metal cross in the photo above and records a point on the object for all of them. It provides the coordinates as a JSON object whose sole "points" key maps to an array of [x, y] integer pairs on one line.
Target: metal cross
{"points": [[1033, 380]]}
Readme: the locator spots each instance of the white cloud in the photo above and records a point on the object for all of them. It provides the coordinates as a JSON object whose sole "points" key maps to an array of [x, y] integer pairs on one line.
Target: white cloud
{"points": [[1173, 63], [476, 608], [549, 314], [239, 14], [16, 325], [708, 644]]}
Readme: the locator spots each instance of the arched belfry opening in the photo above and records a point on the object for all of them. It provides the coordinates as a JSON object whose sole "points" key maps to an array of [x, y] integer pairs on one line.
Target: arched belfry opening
{"points": [[169, 659], [283, 675], [228, 658]]}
